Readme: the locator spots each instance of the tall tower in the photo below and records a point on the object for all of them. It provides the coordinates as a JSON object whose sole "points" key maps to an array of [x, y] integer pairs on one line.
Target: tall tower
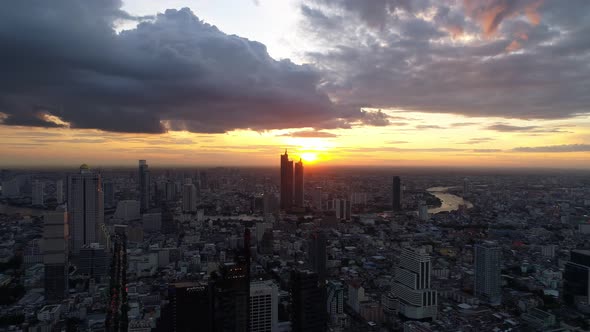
{"points": [[86, 207], [189, 196], [55, 255], [144, 185], [264, 306], [317, 254], [59, 191], [488, 280], [577, 277], [396, 191], [309, 302], [298, 187], [411, 287], [286, 182], [37, 193]]}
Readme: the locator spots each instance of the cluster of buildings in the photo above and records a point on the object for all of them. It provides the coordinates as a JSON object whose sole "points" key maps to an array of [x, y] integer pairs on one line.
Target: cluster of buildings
{"points": [[251, 250]]}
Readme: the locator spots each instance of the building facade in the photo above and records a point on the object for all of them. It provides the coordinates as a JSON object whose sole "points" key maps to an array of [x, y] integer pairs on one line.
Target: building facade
{"points": [[488, 266]]}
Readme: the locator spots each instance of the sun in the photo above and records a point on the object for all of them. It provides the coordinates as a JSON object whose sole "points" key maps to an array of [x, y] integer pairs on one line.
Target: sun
{"points": [[309, 157]]}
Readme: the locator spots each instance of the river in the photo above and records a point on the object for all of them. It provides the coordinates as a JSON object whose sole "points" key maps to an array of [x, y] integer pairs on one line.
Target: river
{"points": [[449, 201]]}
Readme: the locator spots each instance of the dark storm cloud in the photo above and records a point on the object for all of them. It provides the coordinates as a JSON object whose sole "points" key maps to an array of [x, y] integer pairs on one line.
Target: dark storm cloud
{"points": [[508, 58], [556, 148], [64, 59]]}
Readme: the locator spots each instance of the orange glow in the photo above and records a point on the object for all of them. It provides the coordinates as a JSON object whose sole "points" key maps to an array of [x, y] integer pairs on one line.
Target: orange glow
{"points": [[309, 157]]}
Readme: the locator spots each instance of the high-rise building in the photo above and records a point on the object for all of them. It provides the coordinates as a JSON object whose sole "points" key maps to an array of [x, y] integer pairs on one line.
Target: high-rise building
{"points": [[191, 306], [85, 207], [232, 297], [316, 198], [308, 301], [264, 306], [37, 193], [298, 186], [341, 207], [396, 194], [170, 191], [335, 301], [488, 266], [411, 286], [576, 277], [144, 185], [94, 261], [189, 197], [108, 189], [59, 191], [55, 255], [316, 254], [286, 182]]}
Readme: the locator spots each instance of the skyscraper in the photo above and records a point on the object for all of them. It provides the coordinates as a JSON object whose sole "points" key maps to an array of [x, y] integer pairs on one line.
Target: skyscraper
{"points": [[189, 196], [108, 189], [191, 306], [264, 306], [94, 261], [488, 266], [577, 277], [144, 185], [317, 198], [85, 205], [55, 255], [286, 182], [309, 302], [414, 299], [232, 298], [298, 186], [59, 191], [37, 193], [335, 303], [317, 254], [396, 194]]}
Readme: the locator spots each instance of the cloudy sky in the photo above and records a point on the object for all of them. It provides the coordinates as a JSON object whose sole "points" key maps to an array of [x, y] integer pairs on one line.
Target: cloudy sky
{"points": [[346, 82]]}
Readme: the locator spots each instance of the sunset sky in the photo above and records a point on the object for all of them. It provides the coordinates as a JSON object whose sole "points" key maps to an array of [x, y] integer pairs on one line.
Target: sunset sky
{"points": [[345, 82]]}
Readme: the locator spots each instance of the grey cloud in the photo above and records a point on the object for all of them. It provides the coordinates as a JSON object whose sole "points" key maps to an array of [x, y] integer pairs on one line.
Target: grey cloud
{"points": [[171, 72], [310, 133], [409, 64], [501, 127], [486, 150], [429, 127], [555, 148], [478, 140]]}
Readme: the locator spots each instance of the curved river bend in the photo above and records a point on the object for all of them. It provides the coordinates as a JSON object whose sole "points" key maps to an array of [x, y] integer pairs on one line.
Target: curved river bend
{"points": [[449, 201]]}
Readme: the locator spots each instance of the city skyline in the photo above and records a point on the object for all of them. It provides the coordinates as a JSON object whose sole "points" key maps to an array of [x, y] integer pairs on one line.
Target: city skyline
{"points": [[459, 83]]}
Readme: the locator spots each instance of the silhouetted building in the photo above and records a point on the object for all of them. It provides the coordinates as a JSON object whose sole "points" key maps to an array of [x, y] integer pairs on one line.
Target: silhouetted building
{"points": [[286, 182], [316, 254], [189, 196], [191, 307], [298, 186], [414, 299], [488, 266], [59, 191], [55, 255], [144, 185], [396, 194], [232, 298], [341, 207], [38, 193], [85, 207], [94, 261], [335, 302], [576, 277], [308, 302], [232, 292], [108, 188]]}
